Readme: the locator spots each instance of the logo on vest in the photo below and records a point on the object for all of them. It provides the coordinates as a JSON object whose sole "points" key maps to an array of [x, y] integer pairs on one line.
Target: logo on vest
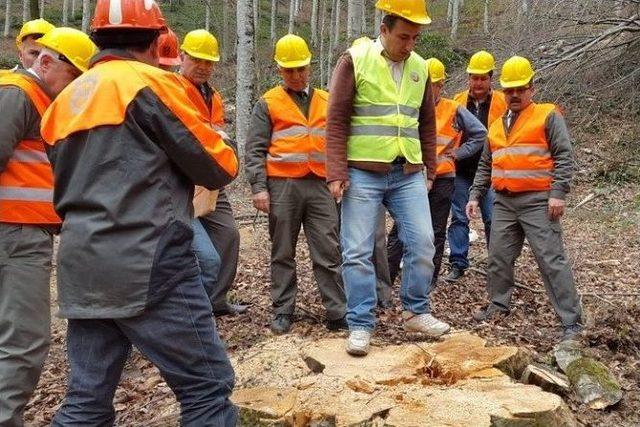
{"points": [[414, 76], [83, 89]]}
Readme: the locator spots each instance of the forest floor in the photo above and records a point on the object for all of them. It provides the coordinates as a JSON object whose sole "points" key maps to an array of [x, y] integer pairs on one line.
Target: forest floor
{"points": [[602, 240]]}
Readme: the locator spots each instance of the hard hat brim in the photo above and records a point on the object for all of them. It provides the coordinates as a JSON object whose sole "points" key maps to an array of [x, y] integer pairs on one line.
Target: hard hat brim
{"points": [[478, 71], [294, 64], [422, 20], [515, 83], [212, 58]]}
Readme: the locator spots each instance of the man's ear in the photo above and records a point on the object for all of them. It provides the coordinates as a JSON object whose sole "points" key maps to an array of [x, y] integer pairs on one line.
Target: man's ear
{"points": [[45, 62]]}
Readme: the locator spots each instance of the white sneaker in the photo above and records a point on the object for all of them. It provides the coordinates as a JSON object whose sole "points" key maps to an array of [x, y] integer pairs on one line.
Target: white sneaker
{"points": [[358, 343], [424, 323]]}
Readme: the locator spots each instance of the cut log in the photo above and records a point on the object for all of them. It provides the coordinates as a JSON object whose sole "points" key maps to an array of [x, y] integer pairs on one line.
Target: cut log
{"points": [[547, 379], [458, 381], [593, 383]]}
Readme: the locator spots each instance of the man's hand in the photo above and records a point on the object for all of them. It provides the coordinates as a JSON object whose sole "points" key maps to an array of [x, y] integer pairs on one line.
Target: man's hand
{"points": [[472, 209], [428, 182], [261, 201], [337, 189], [556, 208]]}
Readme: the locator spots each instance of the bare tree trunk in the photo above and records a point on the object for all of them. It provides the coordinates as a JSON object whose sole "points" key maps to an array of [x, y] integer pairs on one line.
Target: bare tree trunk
{"points": [[245, 71], [449, 10], [323, 54], [207, 15], [86, 15], [26, 11], [65, 13], [354, 18], [274, 18], [292, 15], [73, 10], [298, 7], [7, 19], [363, 20], [41, 9], [455, 17], [377, 21], [256, 22], [485, 25], [314, 22], [226, 32], [336, 26]]}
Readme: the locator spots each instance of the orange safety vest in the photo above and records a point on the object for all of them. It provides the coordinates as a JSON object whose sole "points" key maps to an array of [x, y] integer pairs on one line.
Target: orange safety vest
{"points": [[297, 145], [448, 137], [217, 110], [497, 108], [521, 159], [26, 184]]}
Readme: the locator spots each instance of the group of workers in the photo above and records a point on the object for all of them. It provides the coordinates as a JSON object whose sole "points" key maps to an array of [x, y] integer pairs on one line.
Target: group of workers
{"points": [[104, 138]]}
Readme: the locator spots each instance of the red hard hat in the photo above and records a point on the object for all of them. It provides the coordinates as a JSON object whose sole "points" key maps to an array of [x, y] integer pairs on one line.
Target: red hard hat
{"points": [[168, 49], [127, 14]]}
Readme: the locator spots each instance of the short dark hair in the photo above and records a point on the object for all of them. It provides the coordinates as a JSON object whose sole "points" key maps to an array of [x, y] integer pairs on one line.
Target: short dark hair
{"points": [[135, 40], [390, 20]]}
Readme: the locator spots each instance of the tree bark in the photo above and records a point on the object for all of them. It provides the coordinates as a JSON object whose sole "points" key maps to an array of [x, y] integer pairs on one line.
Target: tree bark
{"points": [[245, 71], [336, 25], [323, 17], [274, 18], [226, 32], [354, 18], [73, 10], [41, 14], [7, 19], [65, 13], [455, 18], [377, 21], [207, 15], [86, 15], [292, 15], [26, 11], [485, 24], [314, 23]]}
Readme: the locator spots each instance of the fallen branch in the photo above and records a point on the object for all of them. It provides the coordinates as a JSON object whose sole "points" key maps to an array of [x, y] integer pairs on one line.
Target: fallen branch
{"points": [[590, 197]]}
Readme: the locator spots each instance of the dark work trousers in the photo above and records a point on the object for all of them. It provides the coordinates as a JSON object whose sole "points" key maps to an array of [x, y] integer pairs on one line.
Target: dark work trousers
{"points": [[526, 216], [25, 269], [307, 203], [223, 231], [440, 205]]}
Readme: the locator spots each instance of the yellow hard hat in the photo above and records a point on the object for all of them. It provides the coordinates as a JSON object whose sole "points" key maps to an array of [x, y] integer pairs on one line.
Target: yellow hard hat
{"points": [[516, 72], [411, 10], [292, 52], [201, 44], [35, 27], [73, 44], [436, 70], [481, 62]]}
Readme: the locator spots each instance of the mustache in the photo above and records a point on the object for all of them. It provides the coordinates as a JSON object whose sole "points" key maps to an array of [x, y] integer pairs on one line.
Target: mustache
{"points": [[515, 99]]}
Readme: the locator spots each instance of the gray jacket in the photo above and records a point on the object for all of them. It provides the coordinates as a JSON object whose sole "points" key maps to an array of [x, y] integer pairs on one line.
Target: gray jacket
{"points": [[561, 152]]}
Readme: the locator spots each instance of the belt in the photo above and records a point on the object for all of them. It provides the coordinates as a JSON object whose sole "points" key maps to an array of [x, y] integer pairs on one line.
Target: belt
{"points": [[399, 161]]}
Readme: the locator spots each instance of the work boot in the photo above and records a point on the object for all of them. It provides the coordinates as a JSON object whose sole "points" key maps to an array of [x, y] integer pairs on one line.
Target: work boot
{"points": [[358, 343], [488, 312], [281, 324], [454, 275], [337, 324], [424, 323], [572, 332], [230, 310]]}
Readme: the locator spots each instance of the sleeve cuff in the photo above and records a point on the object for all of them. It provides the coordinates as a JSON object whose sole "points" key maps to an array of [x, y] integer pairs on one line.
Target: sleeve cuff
{"points": [[258, 187], [558, 194]]}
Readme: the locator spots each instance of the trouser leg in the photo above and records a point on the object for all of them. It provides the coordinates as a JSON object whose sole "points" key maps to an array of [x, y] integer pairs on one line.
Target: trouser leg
{"points": [[384, 285], [25, 268], [486, 209], [208, 258], [320, 221], [223, 232], [394, 252], [96, 351], [285, 220], [458, 233], [507, 238], [440, 205], [545, 238]]}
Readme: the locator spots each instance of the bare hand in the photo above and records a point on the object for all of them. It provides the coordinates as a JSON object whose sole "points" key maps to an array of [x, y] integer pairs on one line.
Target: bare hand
{"points": [[472, 209], [556, 208], [337, 189], [261, 201], [429, 184]]}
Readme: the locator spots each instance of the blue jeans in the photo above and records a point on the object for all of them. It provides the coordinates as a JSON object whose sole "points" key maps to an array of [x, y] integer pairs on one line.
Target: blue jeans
{"points": [[405, 197], [208, 259], [178, 335], [458, 233]]}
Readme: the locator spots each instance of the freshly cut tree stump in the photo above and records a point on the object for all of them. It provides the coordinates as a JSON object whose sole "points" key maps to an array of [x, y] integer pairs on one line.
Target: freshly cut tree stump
{"points": [[456, 382], [547, 379]]}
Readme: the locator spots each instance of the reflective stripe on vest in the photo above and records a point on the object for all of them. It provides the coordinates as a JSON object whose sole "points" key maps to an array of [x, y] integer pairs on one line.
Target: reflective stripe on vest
{"points": [[448, 138], [384, 121], [297, 146], [26, 183], [496, 110], [521, 160]]}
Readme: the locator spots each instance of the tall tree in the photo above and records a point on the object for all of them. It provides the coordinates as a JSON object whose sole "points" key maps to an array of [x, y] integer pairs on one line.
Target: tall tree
{"points": [[314, 22], [485, 25], [354, 18], [455, 18], [7, 19], [65, 13], [323, 54], [207, 15], [274, 19], [26, 10], [86, 15], [73, 10], [336, 25], [292, 15], [256, 21], [245, 79], [41, 15], [227, 42], [377, 20]]}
